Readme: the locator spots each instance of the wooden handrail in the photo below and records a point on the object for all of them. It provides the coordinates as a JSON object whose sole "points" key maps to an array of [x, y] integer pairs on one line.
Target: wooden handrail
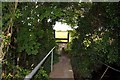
{"points": [[30, 75]]}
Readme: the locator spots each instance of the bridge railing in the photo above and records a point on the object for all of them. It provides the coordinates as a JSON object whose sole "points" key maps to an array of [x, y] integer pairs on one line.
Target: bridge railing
{"points": [[30, 75]]}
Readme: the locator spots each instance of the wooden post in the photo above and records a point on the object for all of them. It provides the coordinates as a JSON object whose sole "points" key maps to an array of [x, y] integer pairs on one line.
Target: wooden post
{"points": [[68, 36], [54, 33]]}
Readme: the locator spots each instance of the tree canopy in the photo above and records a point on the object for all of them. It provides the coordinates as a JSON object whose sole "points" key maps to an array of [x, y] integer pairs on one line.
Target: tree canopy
{"points": [[28, 33]]}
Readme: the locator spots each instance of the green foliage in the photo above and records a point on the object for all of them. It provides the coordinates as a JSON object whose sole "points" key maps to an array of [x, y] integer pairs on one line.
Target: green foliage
{"points": [[39, 33], [19, 73], [31, 35], [29, 42], [41, 75], [81, 65], [97, 38]]}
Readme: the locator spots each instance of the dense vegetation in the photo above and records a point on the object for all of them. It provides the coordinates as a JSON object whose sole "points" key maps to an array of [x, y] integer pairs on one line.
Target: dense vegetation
{"points": [[96, 41], [28, 36]]}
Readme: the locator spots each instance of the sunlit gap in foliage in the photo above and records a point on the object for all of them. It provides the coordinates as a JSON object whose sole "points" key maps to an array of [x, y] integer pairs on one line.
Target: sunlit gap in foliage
{"points": [[62, 30], [59, 26]]}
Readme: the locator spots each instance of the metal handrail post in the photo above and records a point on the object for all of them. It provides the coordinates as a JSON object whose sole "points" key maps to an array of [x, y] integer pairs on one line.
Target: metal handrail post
{"points": [[30, 75], [51, 61]]}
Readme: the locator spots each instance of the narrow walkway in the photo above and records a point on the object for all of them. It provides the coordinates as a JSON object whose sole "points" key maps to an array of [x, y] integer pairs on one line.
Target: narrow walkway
{"points": [[62, 70]]}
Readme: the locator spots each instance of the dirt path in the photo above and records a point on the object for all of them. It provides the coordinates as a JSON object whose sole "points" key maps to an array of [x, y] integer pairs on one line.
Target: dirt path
{"points": [[62, 70]]}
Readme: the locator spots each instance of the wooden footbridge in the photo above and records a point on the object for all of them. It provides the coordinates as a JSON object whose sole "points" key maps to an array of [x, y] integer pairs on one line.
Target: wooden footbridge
{"points": [[61, 70]]}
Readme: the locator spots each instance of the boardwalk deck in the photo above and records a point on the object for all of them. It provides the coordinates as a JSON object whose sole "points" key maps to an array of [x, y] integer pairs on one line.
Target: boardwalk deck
{"points": [[62, 70]]}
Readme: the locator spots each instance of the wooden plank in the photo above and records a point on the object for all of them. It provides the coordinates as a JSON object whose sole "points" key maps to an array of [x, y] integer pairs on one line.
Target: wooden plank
{"points": [[61, 42], [61, 38]]}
